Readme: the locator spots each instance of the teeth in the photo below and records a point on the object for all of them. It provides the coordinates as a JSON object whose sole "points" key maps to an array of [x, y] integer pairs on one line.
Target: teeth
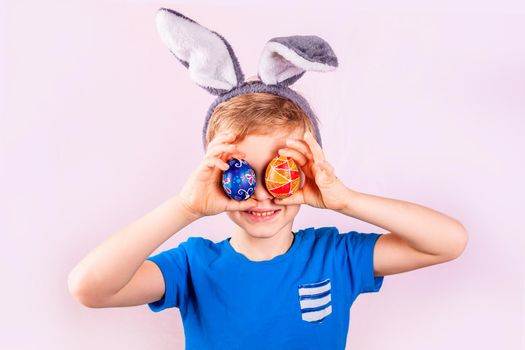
{"points": [[266, 213]]}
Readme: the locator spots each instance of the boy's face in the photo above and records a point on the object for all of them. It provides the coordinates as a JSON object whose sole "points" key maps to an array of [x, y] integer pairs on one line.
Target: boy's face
{"points": [[259, 151]]}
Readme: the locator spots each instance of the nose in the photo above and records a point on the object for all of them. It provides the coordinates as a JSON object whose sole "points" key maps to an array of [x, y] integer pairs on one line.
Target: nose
{"points": [[261, 193]]}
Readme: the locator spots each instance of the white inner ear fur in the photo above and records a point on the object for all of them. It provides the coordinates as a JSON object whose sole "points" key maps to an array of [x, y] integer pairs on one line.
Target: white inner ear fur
{"points": [[210, 63], [252, 78], [279, 63]]}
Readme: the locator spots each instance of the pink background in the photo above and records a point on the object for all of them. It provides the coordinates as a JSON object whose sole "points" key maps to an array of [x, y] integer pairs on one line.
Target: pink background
{"points": [[100, 124]]}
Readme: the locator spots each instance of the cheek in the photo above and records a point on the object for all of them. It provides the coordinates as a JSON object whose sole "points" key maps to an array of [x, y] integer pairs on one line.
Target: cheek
{"points": [[292, 210], [233, 215]]}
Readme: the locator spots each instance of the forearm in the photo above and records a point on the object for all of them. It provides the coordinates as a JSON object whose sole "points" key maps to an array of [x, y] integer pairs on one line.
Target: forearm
{"points": [[423, 228], [112, 264]]}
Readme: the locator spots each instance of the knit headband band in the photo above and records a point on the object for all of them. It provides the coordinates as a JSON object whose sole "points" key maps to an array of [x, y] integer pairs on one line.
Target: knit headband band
{"points": [[213, 65]]}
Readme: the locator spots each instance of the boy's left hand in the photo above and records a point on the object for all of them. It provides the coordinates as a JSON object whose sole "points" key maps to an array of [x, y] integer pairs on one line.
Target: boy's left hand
{"points": [[321, 188]]}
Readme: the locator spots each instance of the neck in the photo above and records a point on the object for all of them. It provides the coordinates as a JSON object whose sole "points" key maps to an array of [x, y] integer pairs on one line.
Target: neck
{"points": [[264, 248]]}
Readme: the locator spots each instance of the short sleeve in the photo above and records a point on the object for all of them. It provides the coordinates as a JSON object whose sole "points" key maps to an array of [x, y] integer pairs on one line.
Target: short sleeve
{"points": [[173, 264], [359, 250]]}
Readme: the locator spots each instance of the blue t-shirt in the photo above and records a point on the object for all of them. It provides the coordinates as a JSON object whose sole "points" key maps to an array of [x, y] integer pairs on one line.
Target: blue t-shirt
{"points": [[298, 300]]}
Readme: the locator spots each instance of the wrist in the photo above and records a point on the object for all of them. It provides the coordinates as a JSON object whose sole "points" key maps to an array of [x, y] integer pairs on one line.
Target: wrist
{"points": [[350, 199], [185, 210]]}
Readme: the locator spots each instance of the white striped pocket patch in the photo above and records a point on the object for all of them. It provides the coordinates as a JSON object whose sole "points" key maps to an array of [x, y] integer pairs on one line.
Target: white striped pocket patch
{"points": [[315, 300]]}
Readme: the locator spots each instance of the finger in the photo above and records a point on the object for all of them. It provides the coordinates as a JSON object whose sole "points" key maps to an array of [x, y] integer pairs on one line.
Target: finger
{"points": [[300, 146], [221, 138], [317, 151], [217, 149], [225, 151], [297, 156], [229, 156], [215, 163], [326, 171], [296, 198], [327, 167]]}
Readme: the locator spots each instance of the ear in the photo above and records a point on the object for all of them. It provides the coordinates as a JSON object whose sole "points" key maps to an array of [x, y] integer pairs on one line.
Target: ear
{"points": [[285, 59], [210, 60]]}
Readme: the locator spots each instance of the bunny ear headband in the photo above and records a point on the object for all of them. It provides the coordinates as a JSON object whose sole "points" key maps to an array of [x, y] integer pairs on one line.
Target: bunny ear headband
{"points": [[212, 64]]}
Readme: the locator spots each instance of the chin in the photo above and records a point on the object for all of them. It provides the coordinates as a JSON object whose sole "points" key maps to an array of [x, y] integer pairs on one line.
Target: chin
{"points": [[262, 227], [265, 226], [259, 233]]}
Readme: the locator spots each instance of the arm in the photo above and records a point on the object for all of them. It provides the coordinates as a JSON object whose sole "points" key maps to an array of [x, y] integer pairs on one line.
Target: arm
{"points": [[117, 274], [419, 236], [112, 265]]}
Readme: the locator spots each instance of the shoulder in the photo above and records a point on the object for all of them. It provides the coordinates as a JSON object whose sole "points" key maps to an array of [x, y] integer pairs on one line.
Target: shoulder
{"points": [[319, 232], [202, 249], [199, 243], [331, 234], [319, 235]]}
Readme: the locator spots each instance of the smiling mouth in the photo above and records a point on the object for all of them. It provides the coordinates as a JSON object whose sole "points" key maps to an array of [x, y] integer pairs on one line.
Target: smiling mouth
{"points": [[261, 215]]}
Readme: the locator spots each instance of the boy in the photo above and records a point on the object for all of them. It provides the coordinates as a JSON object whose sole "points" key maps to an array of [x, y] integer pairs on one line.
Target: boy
{"points": [[266, 286]]}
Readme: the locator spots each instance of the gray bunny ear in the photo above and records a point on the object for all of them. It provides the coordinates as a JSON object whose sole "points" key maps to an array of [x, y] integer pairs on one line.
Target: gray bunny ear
{"points": [[210, 60], [285, 59]]}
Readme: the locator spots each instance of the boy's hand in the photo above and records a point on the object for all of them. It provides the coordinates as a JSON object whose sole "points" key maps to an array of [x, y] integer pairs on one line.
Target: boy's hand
{"points": [[321, 188], [202, 194]]}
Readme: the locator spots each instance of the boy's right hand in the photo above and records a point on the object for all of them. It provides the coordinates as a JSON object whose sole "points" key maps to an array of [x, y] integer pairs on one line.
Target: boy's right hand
{"points": [[202, 194]]}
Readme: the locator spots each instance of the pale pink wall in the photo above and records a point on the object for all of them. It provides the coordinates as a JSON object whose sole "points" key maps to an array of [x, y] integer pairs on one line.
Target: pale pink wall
{"points": [[100, 124]]}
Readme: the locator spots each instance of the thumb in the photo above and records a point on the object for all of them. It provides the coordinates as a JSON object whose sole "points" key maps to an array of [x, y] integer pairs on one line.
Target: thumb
{"points": [[234, 205], [296, 198]]}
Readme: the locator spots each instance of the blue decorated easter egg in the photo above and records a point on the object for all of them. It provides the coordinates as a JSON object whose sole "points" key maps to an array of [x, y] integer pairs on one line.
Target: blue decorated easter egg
{"points": [[238, 181]]}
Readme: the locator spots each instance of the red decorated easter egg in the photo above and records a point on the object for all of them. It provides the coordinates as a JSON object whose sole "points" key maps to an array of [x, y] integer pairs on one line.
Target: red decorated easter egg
{"points": [[282, 178]]}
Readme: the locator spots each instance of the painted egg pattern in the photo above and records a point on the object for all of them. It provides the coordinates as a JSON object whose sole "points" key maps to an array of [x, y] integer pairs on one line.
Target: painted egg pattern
{"points": [[239, 180], [282, 178]]}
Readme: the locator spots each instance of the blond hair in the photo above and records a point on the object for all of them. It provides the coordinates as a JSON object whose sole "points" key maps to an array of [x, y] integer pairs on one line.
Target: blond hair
{"points": [[258, 113]]}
